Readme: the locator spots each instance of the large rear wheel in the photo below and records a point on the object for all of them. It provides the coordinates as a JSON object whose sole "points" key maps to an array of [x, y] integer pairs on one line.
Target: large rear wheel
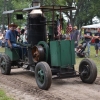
{"points": [[5, 65], [43, 75], [88, 71]]}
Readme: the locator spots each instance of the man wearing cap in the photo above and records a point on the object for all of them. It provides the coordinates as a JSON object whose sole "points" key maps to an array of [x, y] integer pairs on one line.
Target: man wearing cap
{"points": [[11, 36]]}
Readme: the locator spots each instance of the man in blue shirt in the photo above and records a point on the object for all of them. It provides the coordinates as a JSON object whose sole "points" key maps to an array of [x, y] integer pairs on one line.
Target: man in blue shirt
{"points": [[11, 36]]}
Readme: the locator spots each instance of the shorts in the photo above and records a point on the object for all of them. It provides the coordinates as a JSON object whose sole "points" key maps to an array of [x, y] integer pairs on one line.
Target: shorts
{"points": [[97, 45]]}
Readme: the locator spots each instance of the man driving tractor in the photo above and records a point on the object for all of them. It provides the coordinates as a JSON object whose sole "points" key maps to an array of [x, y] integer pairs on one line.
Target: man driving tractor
{"points": [[11, 38]]}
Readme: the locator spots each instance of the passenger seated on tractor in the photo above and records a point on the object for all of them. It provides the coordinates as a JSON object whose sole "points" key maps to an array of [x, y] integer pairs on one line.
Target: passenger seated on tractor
{"points": [[11, 38]]}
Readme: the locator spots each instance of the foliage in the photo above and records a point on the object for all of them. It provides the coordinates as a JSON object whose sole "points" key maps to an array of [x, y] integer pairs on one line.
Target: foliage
{"points": [[85, 9]]}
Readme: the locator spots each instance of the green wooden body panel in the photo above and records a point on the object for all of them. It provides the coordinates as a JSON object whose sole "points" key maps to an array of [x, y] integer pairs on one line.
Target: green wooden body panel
{"points": [[55, 53], [62, 53], [14, 54], [67, 53]]}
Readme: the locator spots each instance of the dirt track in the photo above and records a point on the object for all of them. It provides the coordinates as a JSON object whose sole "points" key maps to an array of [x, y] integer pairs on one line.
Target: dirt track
{"points": [[22, 86]]}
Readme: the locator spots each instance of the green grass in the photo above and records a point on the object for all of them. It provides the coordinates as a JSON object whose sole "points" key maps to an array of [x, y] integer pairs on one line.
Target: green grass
{"points": [[2, 50], [92, 56], [3, 96]]}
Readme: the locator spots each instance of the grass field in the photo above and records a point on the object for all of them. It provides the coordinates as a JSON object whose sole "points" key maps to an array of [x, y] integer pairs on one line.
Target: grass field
{"points": [[2, 50], [92, 56]]}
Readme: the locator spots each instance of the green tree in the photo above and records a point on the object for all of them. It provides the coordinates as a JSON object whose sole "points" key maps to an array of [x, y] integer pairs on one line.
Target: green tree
{"points": [[85, 9]]}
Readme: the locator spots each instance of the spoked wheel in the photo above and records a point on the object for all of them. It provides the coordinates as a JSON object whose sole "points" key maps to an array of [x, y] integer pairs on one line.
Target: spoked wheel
{"points": [[43, 75], [5, 65], [88, 71]]}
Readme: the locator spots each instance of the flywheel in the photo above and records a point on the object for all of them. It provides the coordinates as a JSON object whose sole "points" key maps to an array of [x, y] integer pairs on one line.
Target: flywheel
{"points": [[38, 53]]}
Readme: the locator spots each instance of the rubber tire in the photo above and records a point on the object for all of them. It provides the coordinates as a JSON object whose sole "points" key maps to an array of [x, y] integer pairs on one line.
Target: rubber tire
{"points": [[92, 70], [47, 75], [7, 69]]}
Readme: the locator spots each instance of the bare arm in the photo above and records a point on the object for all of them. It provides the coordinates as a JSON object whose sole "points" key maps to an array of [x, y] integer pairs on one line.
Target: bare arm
{"points": [[87, 36], [95, 37], [9, 43]]}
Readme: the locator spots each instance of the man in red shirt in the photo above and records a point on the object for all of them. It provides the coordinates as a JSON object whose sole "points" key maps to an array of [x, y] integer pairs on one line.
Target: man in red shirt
{"points": [[97, 40]]}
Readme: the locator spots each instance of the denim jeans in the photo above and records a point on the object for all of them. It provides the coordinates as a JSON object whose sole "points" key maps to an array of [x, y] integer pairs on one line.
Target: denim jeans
{"points": [[14, 45], [88, 47], [0, 43]]}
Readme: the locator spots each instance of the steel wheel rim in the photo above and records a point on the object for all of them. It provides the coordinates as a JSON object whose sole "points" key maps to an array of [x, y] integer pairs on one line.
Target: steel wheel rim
{"points": [[3, 64], [85, 71], [40, 74]]}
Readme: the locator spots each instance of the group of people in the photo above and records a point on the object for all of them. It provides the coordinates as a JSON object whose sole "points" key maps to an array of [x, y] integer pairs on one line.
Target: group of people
{"points": [[74, 35], [88, 37]]}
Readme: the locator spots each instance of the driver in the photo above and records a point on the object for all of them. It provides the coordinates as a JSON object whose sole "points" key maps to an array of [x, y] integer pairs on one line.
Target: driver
{"points": [[11, 36]]}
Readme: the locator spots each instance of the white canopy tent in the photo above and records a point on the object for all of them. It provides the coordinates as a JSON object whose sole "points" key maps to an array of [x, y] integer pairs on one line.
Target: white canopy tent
{"points": [[92, 26]]}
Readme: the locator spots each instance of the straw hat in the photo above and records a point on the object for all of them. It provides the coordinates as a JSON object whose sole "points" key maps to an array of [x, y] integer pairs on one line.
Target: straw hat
{"points": [[75, 27], [12, 25]]}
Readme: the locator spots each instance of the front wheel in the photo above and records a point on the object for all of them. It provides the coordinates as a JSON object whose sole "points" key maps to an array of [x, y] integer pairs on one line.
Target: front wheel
{"points": [[43, 75], [88, 71]]}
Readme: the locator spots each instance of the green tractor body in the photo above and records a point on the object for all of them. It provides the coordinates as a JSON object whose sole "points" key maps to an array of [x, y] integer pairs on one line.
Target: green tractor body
{"points": [[62, 53], [13, 54]]}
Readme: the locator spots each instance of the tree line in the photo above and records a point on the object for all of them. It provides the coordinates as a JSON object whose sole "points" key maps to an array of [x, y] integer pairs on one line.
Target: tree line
{"points": [[85, 11]]}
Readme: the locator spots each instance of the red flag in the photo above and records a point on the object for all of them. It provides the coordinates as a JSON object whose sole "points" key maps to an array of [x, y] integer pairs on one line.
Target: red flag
{"points": [[69, 27], [58, 27]]}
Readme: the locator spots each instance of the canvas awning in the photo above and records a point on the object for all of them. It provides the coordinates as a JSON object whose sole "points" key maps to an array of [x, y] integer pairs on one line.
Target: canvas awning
{"points": [[92, 26]]}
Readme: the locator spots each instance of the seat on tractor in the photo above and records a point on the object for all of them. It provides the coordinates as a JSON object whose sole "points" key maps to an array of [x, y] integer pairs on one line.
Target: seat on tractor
{"points": [[13, 54]]}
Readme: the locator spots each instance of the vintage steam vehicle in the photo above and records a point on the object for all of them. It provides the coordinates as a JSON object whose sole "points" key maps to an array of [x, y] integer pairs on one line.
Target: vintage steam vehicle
{"points": [[47, 58]]}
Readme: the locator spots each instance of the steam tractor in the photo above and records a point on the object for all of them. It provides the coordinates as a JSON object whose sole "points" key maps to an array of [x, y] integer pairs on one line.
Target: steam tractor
{"points": [[47, 58]]}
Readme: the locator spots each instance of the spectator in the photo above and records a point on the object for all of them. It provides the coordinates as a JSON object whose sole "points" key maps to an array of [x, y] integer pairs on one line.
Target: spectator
{"points": [[88, 37], [75, 36], [18, 30], [1, 38], [25, 36], [21, 36], [67, 35], [97, 40]]}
